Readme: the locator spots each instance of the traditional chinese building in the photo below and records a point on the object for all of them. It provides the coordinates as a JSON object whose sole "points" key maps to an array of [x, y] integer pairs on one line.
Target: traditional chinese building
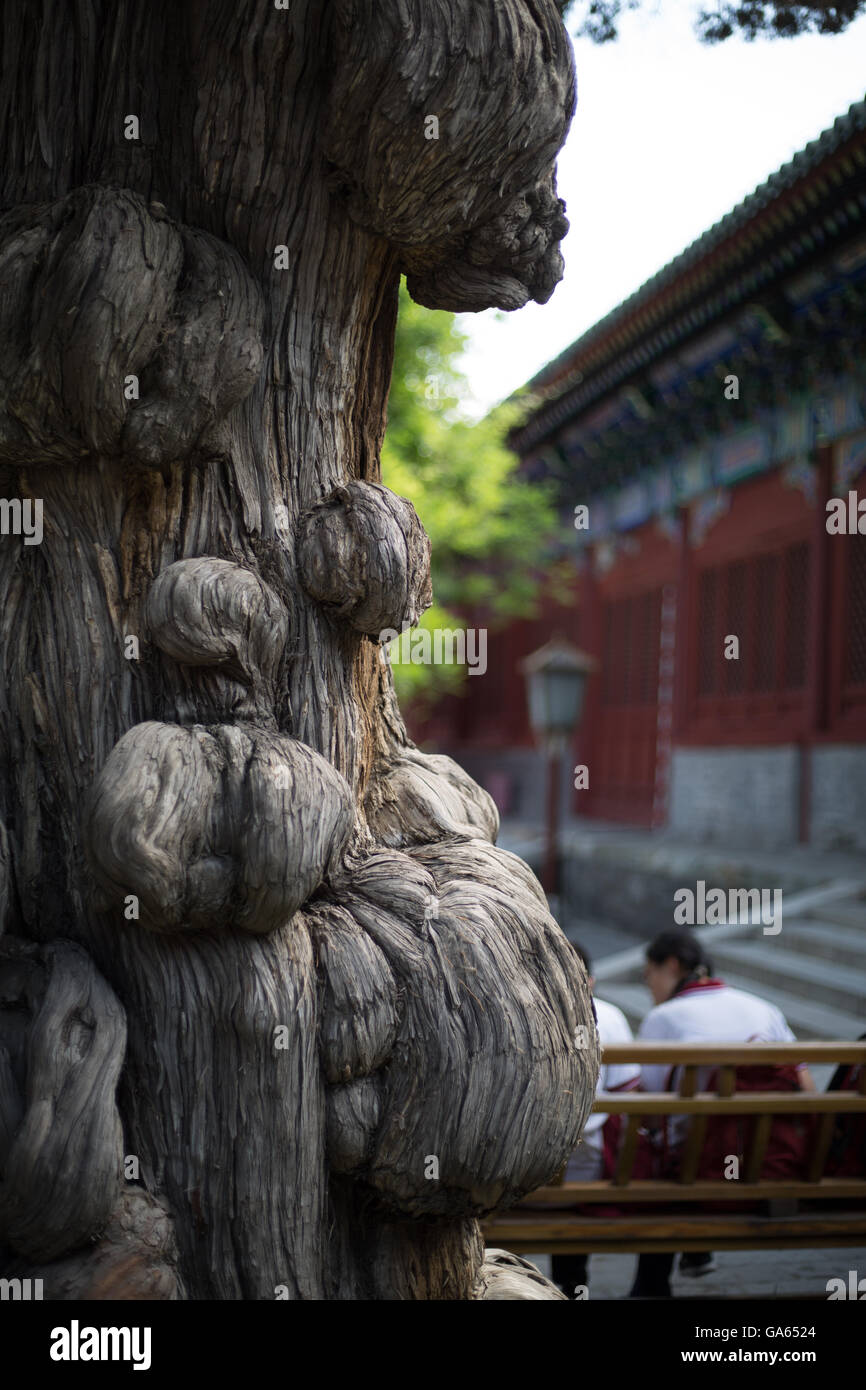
{"points": [[704, 424]]}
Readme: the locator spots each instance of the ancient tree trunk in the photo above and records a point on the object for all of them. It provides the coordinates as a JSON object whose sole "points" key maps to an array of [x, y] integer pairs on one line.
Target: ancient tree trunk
{"points": [[262, 963]]}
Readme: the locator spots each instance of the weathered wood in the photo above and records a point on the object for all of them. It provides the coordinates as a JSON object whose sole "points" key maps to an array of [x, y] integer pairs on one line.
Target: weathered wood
{"points": [[422, 796], [628, 1152], [760, 1139], [166, 303], [134, 1258], [206, 827], [225, 633], [488, 234], [482, 1093], [504, 1276], [698, 1192], [566, 1233], [742, 1103], [60, 1116], [328, 971], [554, 1218], [64, 1197], [697, 1129], [736, 1055], [364, 554]]}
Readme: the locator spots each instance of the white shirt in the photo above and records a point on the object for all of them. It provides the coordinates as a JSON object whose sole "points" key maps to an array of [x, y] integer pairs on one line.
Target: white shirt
{"points": [[585, 1164], [711, 1013]]}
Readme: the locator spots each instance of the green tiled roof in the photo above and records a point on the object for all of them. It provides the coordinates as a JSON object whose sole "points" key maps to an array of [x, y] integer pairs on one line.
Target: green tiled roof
{"points": [[772, 206]]}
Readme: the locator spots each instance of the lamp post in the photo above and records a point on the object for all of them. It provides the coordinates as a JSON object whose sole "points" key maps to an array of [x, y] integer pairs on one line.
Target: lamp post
{"points": [[555, 686]]}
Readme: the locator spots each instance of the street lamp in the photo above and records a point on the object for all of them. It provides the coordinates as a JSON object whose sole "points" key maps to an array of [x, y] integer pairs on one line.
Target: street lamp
{"points": [[555, 686]]}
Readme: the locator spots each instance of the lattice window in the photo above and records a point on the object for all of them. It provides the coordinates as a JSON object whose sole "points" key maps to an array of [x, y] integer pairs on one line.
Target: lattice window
{"points": [[855, 612], [708, 667], [736, 625], [846, 617], [762, 600], [766, 608], [631, 650], [796, 568]]}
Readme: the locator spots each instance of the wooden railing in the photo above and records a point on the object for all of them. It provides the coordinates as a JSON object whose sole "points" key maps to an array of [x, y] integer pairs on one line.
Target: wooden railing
{"points": [[726, 1101], [543, 1220]]}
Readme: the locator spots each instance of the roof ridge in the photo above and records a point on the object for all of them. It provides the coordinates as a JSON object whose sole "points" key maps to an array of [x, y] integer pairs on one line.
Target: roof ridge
{"points": [[785, 176]]}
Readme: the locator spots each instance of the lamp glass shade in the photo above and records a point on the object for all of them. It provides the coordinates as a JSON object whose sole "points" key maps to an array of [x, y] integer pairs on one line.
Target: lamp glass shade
{"points": [[555, 685], [555, 700]]}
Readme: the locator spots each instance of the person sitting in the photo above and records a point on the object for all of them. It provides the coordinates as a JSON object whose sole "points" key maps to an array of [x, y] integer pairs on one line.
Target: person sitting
{"points": [[691, 1005], [588, 1163]]}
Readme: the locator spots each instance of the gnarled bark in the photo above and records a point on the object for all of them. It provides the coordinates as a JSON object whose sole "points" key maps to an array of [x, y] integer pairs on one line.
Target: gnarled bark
{"points": [[211, 819]]}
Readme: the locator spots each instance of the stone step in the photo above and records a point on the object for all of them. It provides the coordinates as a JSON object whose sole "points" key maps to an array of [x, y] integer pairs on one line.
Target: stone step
{"points": [[772, 964], [848, 913], [827, 941]]}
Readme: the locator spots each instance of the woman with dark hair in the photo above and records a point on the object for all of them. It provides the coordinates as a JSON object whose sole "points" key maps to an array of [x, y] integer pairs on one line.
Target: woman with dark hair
{"points": [[692, 1005]]}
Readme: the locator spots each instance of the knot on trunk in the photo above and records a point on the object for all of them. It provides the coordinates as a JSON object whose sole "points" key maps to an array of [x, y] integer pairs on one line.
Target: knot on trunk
{"points": [[481, 1010], [363, 553], [135, 1258], [424, 796], [505, 262], [62, 1042], [139, 334], [504, 1277], [449, 154], [214, 828], [358, 993], [227, 630]]}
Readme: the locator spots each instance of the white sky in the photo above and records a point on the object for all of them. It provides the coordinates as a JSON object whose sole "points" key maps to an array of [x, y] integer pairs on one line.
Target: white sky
{"points": [[668, 136]]}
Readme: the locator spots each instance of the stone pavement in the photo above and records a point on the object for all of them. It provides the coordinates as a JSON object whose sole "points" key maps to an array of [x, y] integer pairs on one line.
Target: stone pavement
{"points": [[741, 1274]]}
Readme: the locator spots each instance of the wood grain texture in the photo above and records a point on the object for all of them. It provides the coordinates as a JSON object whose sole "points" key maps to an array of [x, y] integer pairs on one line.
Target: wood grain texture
{"points": [[232, 825], [364, 554], [504, 1277], [359, 996], [419, 796], [224, 630], [485, 1073], [64, 1199], [97, 288], [60, 1119], [334, 974], [473, 209], [133, 1259]]}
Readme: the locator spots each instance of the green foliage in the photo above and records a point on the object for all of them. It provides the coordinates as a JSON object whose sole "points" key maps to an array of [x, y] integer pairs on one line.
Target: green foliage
{"points": [[598, 19], [420, 687], [488, 526]]}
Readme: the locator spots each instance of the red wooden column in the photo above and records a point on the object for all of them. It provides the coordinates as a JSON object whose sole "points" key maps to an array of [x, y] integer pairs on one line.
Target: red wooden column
{"points": [[668, 604], [590, 639], [818, 633], [684, 628]]}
